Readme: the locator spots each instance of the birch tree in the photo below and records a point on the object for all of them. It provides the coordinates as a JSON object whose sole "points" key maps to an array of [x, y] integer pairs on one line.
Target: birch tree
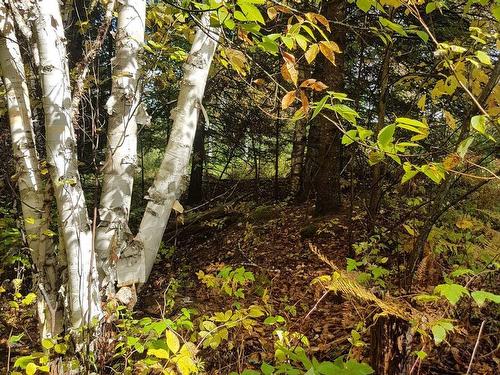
{"points": [[124, 111], [33, 195], [137, 258], [82, 294]]}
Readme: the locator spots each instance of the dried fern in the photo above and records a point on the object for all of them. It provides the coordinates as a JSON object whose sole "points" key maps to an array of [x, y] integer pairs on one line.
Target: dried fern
{"points": [[344, 282]]}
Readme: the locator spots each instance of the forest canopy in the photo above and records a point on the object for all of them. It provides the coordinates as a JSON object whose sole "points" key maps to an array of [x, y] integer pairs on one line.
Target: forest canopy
{"points": [[249, 187]]}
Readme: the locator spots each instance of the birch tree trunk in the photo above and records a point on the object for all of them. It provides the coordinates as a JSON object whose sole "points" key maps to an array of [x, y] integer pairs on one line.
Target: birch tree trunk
{"points": [[34, 200], [138, 257], [83, 292], [125, 111]]}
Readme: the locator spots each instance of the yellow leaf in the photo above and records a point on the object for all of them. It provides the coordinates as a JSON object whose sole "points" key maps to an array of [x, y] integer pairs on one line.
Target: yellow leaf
{"points": [[172, 341], [288, 99], [421, 102], [464, 223], [158, 353], [30, 220], [31, 368], [311, 53], [177, 206], [272, 12], [449, 119]]}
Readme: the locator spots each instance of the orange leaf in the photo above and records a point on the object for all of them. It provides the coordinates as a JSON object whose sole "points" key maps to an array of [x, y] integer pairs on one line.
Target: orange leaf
{"points": [[308, 82], [288, 99], [327, 52], [322, 20], [311, 53], [290, 73], [318, 86], [288, 57], [305, 101]]}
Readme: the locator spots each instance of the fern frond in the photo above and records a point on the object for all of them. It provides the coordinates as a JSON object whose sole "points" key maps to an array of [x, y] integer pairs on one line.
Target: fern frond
{"points": [[345, 283]]}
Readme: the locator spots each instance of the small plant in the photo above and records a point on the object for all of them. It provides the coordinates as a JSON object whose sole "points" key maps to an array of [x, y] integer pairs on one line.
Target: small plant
{"points": [[228, 280]]}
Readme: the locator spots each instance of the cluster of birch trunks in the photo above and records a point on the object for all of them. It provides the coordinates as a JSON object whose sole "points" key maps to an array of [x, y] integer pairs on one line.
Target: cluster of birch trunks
{"points": [[95, 255]]}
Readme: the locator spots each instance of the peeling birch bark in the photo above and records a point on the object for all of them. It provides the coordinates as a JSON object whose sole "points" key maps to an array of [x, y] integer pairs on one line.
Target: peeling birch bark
{"points": [[136, 261], [125, 112], [83, 292], [32, 191]]}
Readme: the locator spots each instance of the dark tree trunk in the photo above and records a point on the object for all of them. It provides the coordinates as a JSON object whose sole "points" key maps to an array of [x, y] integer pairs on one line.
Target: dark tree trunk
{"points": [[195, 190], [378, 170], [297, 159], [327, 181], [391, 346], [310, 167]]}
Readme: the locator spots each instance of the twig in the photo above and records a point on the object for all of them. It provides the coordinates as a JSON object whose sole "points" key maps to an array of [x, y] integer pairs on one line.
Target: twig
{"points": [[475, 347]]}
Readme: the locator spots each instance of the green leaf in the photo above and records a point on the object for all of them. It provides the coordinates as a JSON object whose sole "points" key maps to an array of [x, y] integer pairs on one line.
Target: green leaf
{"points": [[423, 35], [452, 292], [479, 124], [346, 112], [439, 334], [412, 122], [385, 135], [29, 299], [481, 296], [393, 26], [483, 57], [463, 147], [14, 339], [319, 106], [251, 12], [60, 348], [364, 5], [349, 137], [267, 369]]}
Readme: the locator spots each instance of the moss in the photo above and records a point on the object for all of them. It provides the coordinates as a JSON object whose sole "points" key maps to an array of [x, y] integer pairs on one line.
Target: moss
{"points": [[263, 213]]}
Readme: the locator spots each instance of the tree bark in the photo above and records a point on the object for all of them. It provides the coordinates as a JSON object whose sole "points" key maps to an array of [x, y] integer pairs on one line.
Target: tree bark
{"points": [[35, 202], [195, 191], [391, 346], [83, 292], [327, 181], [125, 111], [378, 169], [297, 159], [137, 258]]}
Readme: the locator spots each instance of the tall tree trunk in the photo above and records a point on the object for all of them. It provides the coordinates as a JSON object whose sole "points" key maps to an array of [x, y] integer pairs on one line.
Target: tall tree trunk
{"points": [[35, 203], [297, 157], [138, 256], [125, 111], [378, 169], [195, 191], [83, 292], [327, 181], [311, 162]]}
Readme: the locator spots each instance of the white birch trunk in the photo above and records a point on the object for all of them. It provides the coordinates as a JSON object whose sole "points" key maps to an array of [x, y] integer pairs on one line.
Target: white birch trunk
{"points": [[83, 291], [125, 111], [36, 212], [137, 259]]}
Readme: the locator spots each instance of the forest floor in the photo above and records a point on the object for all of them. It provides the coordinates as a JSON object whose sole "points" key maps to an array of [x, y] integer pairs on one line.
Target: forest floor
{"points": [[272, 242]]}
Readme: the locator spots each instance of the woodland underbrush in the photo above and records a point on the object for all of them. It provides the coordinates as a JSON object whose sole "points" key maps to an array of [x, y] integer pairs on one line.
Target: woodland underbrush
{"points": [[247, 288]]}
